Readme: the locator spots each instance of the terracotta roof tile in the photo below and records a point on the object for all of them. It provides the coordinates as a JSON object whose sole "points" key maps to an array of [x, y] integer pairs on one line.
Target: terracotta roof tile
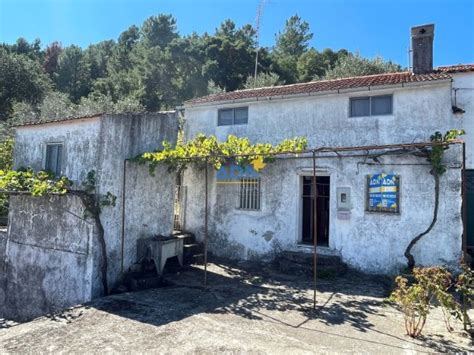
{"points": [[62, 119], [457, 68], [322, 85]]}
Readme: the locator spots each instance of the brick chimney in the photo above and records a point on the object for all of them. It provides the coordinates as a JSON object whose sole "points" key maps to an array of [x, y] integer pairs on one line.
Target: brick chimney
{"points": [[422, 48]]}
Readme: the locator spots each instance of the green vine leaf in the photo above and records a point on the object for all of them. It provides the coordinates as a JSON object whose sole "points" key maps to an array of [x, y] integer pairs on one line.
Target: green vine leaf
{"points": [[37, 183], [234, 149]]}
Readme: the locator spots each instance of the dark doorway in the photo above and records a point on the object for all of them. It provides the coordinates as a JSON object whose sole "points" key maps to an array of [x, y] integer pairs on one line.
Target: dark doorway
{"points": [[322, 210]]}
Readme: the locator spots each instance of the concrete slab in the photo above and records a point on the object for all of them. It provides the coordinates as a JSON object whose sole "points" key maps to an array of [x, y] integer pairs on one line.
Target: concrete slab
{"points": [[248, 309]]}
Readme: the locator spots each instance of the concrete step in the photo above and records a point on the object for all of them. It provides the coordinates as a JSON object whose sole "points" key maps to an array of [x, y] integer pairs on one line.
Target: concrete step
{"points": [[192, 249], [307, 258], [197, 259], [299, 263], [188, 238]]}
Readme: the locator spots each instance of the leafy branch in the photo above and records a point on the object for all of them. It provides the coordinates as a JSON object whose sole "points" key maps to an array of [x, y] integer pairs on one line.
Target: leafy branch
{"points": [[236, 149], [37, 183]]}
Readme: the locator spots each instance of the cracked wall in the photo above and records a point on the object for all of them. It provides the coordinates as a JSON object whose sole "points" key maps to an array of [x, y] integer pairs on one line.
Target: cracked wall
{"points": [[50, 257]]}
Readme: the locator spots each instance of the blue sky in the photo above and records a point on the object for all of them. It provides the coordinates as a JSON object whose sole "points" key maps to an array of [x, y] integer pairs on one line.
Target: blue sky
{"points": [[372, 27]]}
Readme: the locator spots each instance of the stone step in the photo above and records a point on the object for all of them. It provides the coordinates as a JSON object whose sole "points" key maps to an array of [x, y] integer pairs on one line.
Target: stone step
{"points": [[197, 259], [192, 249]]}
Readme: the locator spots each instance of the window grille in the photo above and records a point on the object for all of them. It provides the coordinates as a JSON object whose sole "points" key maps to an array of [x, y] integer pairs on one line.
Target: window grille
{"points": [[249, 194]]}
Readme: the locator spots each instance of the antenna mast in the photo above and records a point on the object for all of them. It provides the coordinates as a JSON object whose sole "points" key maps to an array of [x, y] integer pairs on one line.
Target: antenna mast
{"points": [[261, 4]]}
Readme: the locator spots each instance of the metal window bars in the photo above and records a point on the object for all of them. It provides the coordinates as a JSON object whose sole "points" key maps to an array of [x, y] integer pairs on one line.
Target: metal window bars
{"points": [[250, 194]]}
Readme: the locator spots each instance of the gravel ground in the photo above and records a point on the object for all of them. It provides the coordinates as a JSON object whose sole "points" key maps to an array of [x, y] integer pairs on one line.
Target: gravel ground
{"points": [[244, 309]]}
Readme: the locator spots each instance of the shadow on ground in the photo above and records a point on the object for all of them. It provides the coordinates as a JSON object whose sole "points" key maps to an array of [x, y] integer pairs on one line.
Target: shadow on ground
{"points": [[256, 292]]}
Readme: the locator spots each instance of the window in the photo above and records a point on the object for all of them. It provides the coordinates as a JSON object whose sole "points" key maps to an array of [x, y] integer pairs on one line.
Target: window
{"points": [[249, 194], [233, 116], [371, 106], [53, 158], [360, 107]]}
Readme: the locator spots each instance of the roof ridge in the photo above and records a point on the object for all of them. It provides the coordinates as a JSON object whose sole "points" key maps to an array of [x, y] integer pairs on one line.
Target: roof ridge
{"points": [[324, 85], [312, 82], [455, 65], [61, 119]]}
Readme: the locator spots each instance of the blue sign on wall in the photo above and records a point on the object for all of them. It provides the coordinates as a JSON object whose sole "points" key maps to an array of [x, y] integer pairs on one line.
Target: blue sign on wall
{"points": [[230, 173], [383, 192]]}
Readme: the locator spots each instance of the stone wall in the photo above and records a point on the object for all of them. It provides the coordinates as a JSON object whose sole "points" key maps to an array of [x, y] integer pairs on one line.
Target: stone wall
{"points": [[103, 143], [123, 137], [50, 257], [148, 206]]}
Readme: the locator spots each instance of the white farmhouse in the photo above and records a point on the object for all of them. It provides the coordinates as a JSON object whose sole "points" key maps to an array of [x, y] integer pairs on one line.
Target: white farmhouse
{"points": [[264, 215], [374, 189]]}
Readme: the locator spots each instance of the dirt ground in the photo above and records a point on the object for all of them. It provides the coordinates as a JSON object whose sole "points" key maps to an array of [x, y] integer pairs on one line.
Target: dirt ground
{"points": [[245, 309]]}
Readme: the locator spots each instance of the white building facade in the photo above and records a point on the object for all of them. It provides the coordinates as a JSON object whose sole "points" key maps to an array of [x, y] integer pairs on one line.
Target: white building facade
{"points": [[375, 110]]}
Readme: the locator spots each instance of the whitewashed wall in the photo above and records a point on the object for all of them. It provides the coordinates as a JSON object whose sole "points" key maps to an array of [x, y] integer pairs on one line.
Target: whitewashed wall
{"points": [[324, 120], [464, 83], [102, 144], [370, 242], [80, 140]]}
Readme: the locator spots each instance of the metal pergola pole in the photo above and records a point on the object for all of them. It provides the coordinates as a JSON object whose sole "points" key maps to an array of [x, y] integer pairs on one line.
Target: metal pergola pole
{"points": [[205, 222], [464, 203], [315, 229]]}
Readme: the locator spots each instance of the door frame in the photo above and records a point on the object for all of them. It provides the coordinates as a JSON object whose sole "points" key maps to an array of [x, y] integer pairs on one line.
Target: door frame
{"points": [[299, 216]]}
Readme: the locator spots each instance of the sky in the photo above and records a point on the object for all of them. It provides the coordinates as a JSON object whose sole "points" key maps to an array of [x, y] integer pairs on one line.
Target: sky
{"points": [[371, 27]]}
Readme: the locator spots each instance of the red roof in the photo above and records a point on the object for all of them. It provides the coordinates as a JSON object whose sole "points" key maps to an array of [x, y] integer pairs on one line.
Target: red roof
{"points": [[62, 119], [458, 68], [322, 85]]}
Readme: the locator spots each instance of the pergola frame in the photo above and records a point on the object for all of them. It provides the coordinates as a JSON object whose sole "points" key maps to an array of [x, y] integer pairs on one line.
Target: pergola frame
{"points": [[329, 152]]}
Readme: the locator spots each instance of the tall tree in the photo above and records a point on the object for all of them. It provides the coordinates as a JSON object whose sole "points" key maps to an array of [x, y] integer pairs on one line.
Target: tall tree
{"points": [[291, 43], [51, 58], [22, 46], [313, 65], [97, 57], [188, 57], [230, 55], [159, 31], [21, 79], [73, 73]]}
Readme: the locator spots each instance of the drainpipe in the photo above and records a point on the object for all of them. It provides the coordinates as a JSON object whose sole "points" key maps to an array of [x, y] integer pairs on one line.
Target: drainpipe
{"points": [[123, 215]]}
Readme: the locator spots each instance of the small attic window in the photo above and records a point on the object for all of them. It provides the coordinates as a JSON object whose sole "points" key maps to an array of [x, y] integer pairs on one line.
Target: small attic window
{"points": [[233, 116], [371, 106]]}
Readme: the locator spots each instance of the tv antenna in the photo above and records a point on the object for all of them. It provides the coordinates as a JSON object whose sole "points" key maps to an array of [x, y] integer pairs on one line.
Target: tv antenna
{"points": [[260, 7]]}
